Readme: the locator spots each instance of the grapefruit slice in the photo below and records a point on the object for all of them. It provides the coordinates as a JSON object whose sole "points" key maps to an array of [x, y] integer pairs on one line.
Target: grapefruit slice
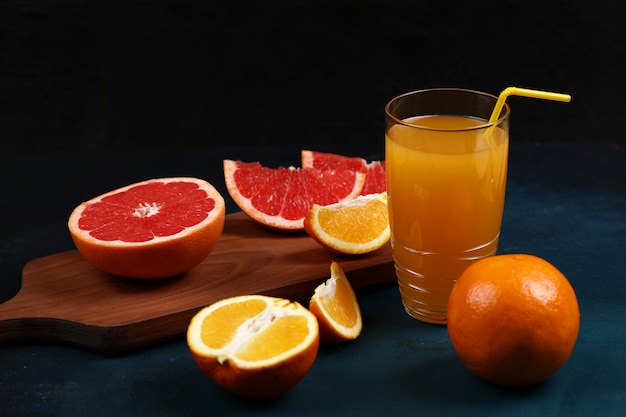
{"points": [[281, 197], [151, 229], [375, 182]]}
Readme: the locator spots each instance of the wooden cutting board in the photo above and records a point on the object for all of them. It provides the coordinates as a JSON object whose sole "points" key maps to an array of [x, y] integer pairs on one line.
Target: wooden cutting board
{"points": [[64, 299]]}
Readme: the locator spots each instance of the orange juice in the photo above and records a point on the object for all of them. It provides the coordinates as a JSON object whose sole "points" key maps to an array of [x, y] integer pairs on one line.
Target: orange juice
{"points": [[446, 178]]}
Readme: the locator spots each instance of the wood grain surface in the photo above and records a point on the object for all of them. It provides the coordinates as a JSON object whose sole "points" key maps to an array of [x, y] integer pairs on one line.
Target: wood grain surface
{"points": [[64, 299]]}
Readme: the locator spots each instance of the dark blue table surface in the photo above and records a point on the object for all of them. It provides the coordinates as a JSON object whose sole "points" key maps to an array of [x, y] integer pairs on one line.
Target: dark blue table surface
{"points": [[565, 203]]}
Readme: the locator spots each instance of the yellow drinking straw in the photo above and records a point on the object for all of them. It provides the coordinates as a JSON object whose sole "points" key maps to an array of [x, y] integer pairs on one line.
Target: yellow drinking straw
{"points": [[525, 92]]}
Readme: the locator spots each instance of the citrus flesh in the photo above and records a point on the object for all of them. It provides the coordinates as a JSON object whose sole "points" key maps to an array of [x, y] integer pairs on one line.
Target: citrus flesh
{"points": [[254, 345], [375, 180], [152, 229], [513, 319], [355, 227], [281, 197], [328, 160], [336, 307]]}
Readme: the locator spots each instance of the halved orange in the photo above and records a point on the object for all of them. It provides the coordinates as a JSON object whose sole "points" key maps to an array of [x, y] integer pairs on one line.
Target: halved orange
{"points": [[336, 307], [151, 229], [254, 345], [353, 227]]}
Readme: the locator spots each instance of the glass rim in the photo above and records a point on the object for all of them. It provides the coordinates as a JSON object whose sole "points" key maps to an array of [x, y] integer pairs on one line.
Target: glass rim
{"points": [[506, 110]]}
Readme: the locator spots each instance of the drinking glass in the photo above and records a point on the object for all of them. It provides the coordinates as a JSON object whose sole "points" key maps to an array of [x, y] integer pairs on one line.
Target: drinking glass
{"points": [[446, 180]]}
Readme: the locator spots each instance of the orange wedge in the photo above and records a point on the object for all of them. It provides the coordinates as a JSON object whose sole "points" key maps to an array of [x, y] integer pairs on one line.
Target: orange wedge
{"points": [[354, 227], [253, 345], [335, 305]]}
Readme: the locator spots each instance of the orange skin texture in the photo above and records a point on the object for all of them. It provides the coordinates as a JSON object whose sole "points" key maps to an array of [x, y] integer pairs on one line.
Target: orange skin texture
{"points": [[513, 319], [154, 259], [263, 382]]}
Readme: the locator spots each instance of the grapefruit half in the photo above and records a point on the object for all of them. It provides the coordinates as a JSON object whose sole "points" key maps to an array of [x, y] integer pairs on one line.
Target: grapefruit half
{"points": [[151, 229], [375, 181], [281, 197]]}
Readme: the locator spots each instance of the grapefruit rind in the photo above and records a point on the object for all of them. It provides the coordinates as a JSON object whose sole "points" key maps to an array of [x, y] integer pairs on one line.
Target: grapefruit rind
{"points": [[161, 257]]}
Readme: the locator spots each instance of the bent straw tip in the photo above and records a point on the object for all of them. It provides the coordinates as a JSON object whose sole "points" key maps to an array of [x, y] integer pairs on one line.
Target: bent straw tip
{"points": [[526, 92]]}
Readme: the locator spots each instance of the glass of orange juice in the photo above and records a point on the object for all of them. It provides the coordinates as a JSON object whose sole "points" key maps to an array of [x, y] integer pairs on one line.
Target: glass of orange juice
{"points": [[446, 178]]}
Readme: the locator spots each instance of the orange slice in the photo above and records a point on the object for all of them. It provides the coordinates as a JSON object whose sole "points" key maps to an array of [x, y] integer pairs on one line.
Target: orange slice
{"points": [[335, 305], [354, 227], [151, 229], [254, 345]]}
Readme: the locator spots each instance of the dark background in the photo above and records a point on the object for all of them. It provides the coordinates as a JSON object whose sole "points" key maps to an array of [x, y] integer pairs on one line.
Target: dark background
{"points": [[91, 75]]}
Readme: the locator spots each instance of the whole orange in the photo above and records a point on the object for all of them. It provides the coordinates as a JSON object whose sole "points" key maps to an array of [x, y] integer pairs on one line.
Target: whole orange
{"points": [[513, 319]]}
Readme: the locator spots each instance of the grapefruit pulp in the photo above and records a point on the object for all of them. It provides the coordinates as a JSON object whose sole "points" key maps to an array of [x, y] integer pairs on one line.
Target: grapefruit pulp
{"points": [[376, 177], [151, 229]]}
